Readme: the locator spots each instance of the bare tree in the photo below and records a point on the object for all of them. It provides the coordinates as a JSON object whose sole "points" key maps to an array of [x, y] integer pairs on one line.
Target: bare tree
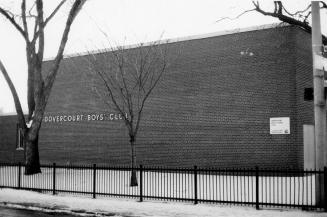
{"points": [[129, 77], [39, 85], [297, 18]]}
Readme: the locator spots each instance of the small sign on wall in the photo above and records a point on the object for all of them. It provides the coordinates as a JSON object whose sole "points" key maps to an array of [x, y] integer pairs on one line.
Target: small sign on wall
{"points": [[280, 125]]}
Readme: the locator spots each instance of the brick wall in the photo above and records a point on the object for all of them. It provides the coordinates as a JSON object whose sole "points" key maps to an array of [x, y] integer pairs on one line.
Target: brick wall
{"points": [[304, 75], [211, 109], [8, 129]]}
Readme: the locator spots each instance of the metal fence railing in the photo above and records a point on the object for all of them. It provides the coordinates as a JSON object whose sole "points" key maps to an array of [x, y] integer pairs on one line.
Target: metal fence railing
{"points": [[256, 187]]}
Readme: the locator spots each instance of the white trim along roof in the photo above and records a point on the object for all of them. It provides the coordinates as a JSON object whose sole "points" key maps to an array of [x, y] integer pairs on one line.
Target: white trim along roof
{"points": [[179, 39]]}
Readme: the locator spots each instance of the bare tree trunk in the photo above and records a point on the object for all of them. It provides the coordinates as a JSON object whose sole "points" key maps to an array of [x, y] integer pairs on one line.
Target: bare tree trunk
{"points": [[32, 162], [133, 175]]}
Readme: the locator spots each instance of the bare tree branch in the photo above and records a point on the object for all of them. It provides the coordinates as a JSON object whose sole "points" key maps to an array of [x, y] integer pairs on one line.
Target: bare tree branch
{"points": [[30, 11], [234, 18], [38, 79], [37, 31], [54, 12], [18, 106], [297, 12], [39, 8], [108, 85], [78, 4], [130, 80], [13, 22], [119, 54], [23, 7], [147, 95], [290, 18]]}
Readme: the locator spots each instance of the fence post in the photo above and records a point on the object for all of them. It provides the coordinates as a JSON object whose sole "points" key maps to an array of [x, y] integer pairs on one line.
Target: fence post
{"points": [[257, 187], [325, 188], [195, 185], [141, 183], [94, 180], [19, 174], [54, 179]]}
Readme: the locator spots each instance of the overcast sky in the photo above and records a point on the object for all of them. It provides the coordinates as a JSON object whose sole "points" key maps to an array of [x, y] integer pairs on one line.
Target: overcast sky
{"points": [[125, 22]]}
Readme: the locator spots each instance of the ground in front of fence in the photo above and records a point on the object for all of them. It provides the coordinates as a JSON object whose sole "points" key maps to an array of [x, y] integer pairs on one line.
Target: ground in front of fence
{"points": [[130, 207]]}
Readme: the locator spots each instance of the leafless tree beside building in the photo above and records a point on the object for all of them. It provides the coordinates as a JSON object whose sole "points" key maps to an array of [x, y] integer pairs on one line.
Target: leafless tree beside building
{"points": [[31, 24], [128, 78]]}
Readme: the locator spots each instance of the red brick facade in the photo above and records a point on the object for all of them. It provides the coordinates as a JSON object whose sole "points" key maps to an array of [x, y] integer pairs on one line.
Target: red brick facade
{"points": [[211, 109]]}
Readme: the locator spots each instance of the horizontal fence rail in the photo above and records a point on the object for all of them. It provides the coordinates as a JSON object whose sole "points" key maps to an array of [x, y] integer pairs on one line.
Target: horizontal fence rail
{"points": [[255, 187]]}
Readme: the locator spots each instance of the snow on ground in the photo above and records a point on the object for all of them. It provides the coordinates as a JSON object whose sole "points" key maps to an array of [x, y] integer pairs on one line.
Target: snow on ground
{"points": [[132, 208]]}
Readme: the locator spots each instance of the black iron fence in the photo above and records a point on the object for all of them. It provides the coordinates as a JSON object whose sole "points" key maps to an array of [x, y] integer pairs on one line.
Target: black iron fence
{"points": [[255, 187]]}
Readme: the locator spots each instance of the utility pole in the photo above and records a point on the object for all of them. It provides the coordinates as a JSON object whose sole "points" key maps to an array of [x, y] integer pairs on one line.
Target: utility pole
{"points": [[319, 100]]}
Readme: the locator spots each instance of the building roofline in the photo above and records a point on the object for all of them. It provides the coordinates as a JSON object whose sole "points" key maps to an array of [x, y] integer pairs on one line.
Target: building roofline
{"points": [[10, 114], [178, 39]]}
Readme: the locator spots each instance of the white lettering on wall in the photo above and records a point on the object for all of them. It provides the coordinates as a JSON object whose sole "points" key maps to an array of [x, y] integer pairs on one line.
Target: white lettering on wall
{"points": [[83, 117]]}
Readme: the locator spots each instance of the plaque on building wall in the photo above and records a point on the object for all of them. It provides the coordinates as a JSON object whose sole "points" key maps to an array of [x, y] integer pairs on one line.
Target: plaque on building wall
{"points": [[280, 125]]}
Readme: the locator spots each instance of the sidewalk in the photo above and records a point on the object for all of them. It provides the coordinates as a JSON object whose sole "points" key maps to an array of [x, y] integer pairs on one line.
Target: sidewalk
{"points": [[131, 208]]}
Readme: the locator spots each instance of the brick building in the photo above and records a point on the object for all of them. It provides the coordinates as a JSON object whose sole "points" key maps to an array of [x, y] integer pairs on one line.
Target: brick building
{"points": [[212, 108]]}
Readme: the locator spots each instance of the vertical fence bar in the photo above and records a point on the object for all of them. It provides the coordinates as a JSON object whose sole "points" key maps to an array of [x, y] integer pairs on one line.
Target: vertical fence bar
{"points": [[19, 174], [141, 183], [195, 185], [94, 179], [257, 187], [54, 179], [325, 188]]}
